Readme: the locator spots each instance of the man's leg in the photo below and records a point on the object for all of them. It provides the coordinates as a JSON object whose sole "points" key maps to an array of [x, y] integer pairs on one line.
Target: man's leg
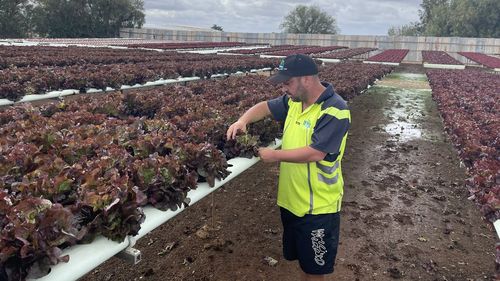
{"points": [[311, 277], [313, 240], [317, 242]]}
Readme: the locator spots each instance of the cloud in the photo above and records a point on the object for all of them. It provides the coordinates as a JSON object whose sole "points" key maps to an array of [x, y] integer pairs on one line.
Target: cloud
{"points": [[355, 17]]}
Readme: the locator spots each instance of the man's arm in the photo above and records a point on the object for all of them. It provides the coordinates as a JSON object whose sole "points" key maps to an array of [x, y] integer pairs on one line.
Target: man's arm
{"points": [[254, 114], [298, 155]]}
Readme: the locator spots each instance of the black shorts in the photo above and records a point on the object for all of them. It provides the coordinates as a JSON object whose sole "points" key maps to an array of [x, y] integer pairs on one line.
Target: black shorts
{"points": [[312, 239]]}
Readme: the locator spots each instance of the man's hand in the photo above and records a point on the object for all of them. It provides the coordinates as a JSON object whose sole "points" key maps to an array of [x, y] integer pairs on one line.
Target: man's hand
{"points": [[267, 154], [254, 114], [234, 128]]}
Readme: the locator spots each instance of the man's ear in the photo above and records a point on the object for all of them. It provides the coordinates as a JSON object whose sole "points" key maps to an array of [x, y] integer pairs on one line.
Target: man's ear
{"points": [[308, 80], [314, 79], [303, 80]]}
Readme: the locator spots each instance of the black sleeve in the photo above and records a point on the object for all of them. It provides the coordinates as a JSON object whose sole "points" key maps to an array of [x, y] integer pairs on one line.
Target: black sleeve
{"points": [[328, 134], [279, 107]]}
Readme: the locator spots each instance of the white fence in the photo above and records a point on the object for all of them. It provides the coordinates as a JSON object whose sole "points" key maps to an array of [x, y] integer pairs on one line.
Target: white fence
{"points": [[452, 45]]}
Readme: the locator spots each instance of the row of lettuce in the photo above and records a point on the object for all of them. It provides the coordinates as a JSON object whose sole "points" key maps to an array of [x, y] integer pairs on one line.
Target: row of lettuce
{"points": [[72, 170], [46, 69], [468, 103], [441, 57], [333, 52]]}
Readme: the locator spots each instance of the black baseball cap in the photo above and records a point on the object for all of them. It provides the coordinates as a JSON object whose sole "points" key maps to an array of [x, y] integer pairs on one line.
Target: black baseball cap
{"points": [[294, 66]]}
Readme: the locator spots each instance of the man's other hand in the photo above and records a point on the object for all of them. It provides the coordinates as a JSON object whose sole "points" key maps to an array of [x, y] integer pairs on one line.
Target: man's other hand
{"points": [[234, 128], [267, 154]]}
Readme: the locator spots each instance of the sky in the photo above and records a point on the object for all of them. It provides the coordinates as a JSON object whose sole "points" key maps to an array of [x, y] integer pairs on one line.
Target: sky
{"points": [[354, 17]]}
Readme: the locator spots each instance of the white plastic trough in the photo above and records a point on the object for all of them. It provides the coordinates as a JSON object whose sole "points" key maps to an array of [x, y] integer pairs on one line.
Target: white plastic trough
{"points": [[62, 93], [218, 49], [271, 56], [382, 62], [84, 258], [259, 70], [232, 54], [68, 92], [444, 66], [496, 224], [5, 102], [330, 60]]}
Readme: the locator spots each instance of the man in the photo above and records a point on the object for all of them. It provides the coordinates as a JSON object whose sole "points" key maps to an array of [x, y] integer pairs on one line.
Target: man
{"points": [[310, 182]]}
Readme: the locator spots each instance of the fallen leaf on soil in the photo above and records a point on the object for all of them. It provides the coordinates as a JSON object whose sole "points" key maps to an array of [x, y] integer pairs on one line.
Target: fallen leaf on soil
{"points": [[422, 239], [203, 232], [167, 248], [270, 230], [270, 261]]}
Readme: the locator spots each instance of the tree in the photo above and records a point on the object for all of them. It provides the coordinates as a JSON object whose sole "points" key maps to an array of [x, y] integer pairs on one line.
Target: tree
{"points": [[86, 18], [309, 19], [217, 27], [62, 18], [13, 18], [437, 22], [464, 18], [110, 15], [475, 18], [428, 11], [411, 29]]}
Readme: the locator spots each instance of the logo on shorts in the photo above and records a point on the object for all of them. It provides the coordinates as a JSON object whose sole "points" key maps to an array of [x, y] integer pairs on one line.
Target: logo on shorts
{"points": [[318, 245]]}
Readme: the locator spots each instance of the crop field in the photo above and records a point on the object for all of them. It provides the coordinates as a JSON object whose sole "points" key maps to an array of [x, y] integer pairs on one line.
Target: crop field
{"points": [[95, 140]]}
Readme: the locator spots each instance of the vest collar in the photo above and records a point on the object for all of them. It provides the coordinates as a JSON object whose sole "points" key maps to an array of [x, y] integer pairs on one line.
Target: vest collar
{"points": [[327, 93]]}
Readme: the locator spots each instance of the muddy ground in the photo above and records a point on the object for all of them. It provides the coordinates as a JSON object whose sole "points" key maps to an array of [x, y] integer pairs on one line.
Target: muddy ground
{"points": [[405, 213]]}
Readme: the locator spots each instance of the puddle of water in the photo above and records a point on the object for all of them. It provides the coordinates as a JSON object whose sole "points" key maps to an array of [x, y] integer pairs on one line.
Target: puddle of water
{"points": [[408, 76], [405, 130], [408, 105], [406, 108]]}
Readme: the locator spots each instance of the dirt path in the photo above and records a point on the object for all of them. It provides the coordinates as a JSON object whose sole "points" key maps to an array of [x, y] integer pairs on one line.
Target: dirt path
{"points": [[405, 213]]}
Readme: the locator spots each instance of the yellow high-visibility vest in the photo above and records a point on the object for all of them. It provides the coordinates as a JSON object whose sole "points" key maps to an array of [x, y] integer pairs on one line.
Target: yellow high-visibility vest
{"points": [[315, 187]]}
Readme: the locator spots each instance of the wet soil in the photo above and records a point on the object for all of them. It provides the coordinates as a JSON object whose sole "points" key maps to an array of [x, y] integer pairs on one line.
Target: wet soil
{"points": [[405, 213]]}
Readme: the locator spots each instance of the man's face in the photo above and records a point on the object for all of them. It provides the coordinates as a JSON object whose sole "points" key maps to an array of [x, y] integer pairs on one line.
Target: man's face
{"points": [[295, 89]]}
